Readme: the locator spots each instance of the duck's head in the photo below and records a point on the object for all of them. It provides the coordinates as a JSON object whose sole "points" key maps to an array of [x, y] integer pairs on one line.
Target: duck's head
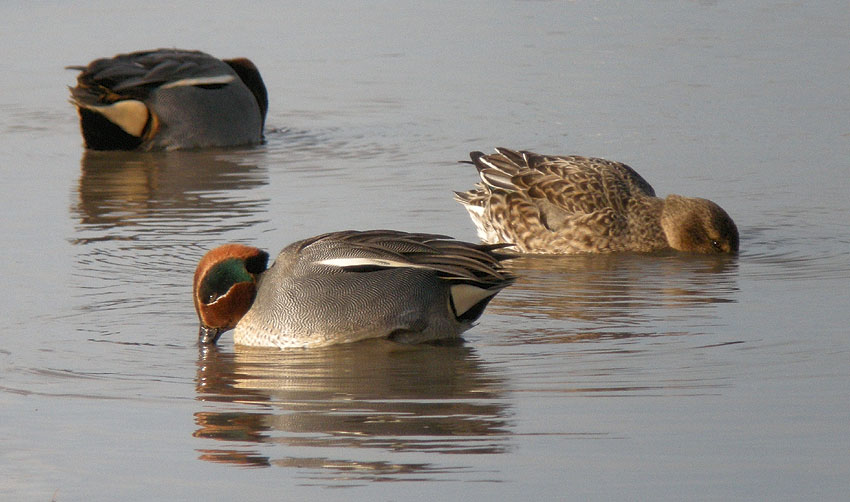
{"points": [[224, 287], [698, 226]]}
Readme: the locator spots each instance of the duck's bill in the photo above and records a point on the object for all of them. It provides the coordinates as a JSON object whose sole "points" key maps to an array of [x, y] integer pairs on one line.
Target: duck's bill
{"points": [[208, 336]]}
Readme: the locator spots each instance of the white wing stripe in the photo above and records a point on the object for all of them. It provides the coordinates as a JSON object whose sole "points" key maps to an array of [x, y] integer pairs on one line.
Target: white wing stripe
{"points": [[187, 82], [367, 262]]}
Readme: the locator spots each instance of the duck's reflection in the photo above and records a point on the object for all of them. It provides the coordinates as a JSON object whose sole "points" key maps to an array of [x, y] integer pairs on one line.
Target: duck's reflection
{"points": [[126, 189], [615, 294], [326, 405]]}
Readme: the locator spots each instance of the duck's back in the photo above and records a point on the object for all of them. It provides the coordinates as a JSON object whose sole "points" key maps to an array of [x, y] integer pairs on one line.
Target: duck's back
{"points": [[136, 74], [560, 204], [582, 185]]}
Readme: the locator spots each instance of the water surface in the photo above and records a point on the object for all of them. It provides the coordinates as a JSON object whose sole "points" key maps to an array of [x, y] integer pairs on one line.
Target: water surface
{"points": [[663, 377]]}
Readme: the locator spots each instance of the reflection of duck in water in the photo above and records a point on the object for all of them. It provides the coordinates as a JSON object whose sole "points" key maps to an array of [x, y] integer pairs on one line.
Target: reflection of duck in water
{"points": [[622, 295], [347, 286], [169, 99], [377, 395], [570, 204], [125, 188]]}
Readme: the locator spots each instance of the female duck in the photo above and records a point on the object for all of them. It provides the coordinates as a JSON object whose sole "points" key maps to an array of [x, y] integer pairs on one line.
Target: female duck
{"points": [[168, 99], [347, 286], [569, 204]]}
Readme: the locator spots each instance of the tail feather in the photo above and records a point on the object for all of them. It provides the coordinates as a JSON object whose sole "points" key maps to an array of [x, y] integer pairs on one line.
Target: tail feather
{"points": [[468, 301]]}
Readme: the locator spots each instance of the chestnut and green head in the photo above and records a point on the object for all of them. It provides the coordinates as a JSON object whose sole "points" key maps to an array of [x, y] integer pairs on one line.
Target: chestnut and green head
{"points": [[698, 226], [224, 287]]}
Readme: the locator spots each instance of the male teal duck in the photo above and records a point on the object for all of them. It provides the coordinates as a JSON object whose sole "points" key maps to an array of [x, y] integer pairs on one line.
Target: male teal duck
{"points": [[568, 204], [169, 99], [347, 286]]}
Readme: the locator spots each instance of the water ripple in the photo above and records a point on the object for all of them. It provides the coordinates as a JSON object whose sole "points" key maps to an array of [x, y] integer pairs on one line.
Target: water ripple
{"points": [[797, 249]]}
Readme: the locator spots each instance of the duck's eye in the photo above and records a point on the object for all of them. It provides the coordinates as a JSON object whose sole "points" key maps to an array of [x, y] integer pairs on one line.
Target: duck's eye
{"points": [[716, 245]]}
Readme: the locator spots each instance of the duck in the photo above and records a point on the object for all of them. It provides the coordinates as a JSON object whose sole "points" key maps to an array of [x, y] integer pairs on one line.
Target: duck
{"points": [[553, 204], [347, 286], [168, 99]]}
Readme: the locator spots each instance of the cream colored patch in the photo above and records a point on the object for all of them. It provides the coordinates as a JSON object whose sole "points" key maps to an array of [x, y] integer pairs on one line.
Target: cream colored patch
{"points": [[188, 82], [466, 296], [482, 226], [130, 115], [475, 211]]}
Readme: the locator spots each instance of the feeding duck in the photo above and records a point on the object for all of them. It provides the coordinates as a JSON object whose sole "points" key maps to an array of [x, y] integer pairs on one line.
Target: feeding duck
{"points": [[169, 99], [347, 286], [550, 204]]}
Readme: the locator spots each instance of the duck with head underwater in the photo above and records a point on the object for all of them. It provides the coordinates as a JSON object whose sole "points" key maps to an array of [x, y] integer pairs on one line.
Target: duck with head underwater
{"points": [[550, 204], [169, 99], [347, 286]]}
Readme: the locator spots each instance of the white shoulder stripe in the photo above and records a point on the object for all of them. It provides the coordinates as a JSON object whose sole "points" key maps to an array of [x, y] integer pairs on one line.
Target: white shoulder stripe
{"points": [[187, 82], [367, 262]]}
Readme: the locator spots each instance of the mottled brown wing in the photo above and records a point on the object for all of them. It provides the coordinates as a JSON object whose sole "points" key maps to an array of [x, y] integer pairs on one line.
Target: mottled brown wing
{"points": [[583, 184], [517, 220]]}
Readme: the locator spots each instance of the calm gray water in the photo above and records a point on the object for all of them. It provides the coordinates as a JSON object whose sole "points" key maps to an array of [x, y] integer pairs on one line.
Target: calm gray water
{"points": [[608, 378]]}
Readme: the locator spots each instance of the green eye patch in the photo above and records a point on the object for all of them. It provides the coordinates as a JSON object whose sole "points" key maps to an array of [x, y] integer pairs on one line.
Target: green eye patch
{"points": [[222, 277]]}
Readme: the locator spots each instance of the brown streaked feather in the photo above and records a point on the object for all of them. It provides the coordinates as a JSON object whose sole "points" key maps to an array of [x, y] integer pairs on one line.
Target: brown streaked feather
{"points": [[565, 204]]}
